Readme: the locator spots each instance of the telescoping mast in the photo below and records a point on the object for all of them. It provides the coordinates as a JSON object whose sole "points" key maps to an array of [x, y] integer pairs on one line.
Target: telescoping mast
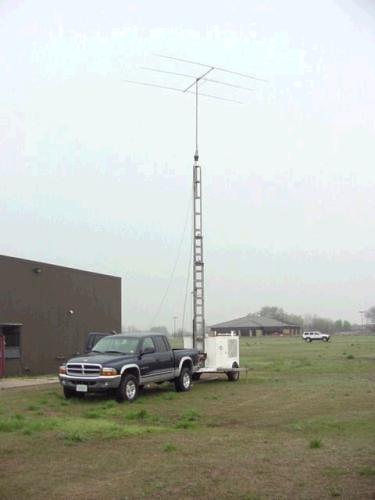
{"points": [[220, 352]]}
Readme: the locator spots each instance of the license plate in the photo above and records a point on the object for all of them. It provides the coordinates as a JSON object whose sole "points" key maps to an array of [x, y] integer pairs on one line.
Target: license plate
{"points": [[81, 388]]}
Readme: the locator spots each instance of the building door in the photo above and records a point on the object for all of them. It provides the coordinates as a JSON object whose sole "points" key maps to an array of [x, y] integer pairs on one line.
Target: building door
{"points": [[10, 333], [2, 356], [12, 336]]}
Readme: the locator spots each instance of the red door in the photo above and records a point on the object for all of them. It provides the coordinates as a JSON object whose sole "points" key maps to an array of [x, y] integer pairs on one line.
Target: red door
{"points": [[2, 356]]}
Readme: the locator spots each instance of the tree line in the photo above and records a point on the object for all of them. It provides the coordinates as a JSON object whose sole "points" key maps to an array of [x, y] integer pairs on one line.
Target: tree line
{"points": [[307, 322]]}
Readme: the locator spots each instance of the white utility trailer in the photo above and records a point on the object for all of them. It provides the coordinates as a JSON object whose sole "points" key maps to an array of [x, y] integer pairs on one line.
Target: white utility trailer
{"points": [[222, 355]]}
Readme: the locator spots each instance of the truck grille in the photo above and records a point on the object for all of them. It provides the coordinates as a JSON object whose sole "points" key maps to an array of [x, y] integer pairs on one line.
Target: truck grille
{"points": [[83, 369]]}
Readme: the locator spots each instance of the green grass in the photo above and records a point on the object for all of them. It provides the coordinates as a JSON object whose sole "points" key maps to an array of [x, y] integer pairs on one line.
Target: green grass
{"points": [[300, 425]]}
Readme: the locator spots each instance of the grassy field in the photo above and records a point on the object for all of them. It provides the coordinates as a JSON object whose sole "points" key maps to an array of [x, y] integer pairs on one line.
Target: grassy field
{"points": [[300, 425]]}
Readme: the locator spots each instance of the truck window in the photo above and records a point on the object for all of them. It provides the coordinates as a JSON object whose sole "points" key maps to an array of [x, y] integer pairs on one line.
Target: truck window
{"points": [[160, 344], [167, 344], [148, 343]]}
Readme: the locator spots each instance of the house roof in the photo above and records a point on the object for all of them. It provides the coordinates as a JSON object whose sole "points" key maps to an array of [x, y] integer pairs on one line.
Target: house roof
{"points": [[253, 321]]}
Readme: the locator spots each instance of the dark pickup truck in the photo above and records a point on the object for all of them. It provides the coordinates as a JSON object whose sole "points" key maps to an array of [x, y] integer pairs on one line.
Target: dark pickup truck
{"points": [[124, 363]]}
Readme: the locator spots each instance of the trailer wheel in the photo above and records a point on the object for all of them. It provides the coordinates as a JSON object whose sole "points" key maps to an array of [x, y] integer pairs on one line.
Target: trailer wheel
{"points": [[183, 381], [233, 376], [128, 389]]}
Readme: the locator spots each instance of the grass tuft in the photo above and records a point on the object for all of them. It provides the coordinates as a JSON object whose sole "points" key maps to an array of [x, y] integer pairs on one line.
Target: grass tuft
{"points": [[297, 427], [26, 425], [100, 429], [168, 447], [188, 420], [170, 396], [92, 414], [185, 425], [137, 414], [19, 416], [74, 437], [108, 405], [334, 492], [350, 356], [191, 416], [315, 443], [10, 425], [368, 471], [32, 408]]}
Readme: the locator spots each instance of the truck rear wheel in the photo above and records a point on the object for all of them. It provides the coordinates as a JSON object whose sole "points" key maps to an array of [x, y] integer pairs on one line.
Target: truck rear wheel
{"points": [[183, 381], [128, 389]]}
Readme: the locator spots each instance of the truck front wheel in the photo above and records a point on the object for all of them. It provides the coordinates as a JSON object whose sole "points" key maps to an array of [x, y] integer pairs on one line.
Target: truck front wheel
{"points": [[69, 393], [183, 381], [128, 389]]}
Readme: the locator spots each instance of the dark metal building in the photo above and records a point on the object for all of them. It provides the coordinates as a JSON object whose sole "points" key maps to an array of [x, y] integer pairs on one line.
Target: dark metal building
{"points": [[46, 312], [252, 325]]}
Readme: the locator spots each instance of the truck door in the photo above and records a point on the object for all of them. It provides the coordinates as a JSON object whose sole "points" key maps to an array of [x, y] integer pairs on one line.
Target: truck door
{"points": [[165, 357], [148, 364]]}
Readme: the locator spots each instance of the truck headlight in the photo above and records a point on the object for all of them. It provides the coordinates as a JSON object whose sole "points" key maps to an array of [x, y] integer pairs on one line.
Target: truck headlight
{"points": [[62, 370], [109, 372]]}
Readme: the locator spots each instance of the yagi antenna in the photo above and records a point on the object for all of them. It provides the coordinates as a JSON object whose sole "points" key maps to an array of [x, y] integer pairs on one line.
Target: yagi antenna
{"points": [[209, 66], [198, 264], [197, 82], [192, 76], [147, 84]]}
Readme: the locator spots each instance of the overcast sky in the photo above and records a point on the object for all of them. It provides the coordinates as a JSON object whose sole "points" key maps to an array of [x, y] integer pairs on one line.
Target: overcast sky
{"points": [[96, 173]]}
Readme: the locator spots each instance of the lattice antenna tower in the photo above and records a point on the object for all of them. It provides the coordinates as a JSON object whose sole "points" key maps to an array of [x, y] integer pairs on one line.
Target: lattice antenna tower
{"points": [[199, 325]]}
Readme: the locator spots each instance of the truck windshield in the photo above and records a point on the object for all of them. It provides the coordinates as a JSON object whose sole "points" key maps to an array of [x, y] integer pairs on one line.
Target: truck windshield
{"points": [[113, 344]]}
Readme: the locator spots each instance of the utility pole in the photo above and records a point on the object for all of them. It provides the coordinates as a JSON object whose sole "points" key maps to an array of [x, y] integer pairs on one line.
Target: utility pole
{"points": [[362, 313], [175, 325]]}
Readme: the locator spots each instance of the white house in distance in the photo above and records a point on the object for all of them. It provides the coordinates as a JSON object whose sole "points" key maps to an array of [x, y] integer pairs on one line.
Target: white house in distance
{"points": [[253, 325]]}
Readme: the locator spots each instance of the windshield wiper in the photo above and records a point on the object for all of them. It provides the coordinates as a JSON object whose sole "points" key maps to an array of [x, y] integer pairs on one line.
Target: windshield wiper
{"points": [[115, 352]]}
